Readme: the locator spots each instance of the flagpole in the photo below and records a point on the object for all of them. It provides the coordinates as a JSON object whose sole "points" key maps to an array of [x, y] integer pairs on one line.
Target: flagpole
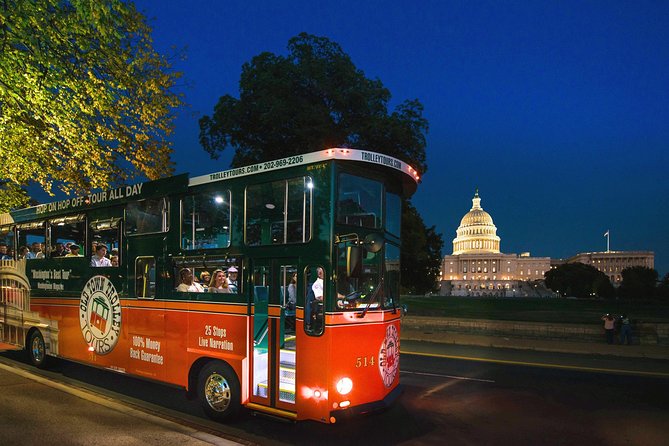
{"points": [[607, 235]]}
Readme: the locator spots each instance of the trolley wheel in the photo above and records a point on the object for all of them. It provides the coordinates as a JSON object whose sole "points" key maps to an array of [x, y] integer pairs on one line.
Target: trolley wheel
{"points": [[219, 391], [36, 349]]}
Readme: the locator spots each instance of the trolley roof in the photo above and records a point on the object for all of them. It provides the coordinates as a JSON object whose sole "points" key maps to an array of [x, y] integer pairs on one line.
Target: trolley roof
{"points": [[181, 183]]}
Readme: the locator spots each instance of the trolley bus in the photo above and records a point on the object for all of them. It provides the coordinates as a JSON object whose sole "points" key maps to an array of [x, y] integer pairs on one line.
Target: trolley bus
{"points": [[309, 325]]}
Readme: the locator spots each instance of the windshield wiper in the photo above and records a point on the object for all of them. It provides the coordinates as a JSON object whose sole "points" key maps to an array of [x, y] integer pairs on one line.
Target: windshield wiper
{"points": [[372, 298]]}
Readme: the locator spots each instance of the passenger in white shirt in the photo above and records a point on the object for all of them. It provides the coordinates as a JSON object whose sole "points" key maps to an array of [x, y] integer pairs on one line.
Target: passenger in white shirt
{"points": [[317, 287], [99, 258], [187, 285]]}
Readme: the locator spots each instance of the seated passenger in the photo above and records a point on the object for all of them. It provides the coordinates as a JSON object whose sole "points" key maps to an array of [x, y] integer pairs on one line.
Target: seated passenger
{"points": [[58, 250], [23, 252], [205, 279], [232, 280], [187, 285], [74, 251], [99, 258], [114, 260], [3, 252], [35, 252], [219, 284]]}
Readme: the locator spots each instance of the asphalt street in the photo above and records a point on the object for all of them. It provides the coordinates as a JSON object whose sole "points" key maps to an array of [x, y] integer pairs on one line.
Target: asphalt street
{"points": [[465, 394]]}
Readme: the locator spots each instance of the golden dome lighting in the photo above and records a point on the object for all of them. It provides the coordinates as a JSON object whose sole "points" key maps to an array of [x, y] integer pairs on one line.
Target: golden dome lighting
{"points": [[477, 232]]}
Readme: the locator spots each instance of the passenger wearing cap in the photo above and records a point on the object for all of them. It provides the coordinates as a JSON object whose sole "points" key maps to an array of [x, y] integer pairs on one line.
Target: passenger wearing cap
{"points": [[233, 285], [74, 251]]}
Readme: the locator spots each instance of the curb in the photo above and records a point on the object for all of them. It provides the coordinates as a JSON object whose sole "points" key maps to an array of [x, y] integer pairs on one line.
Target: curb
{"points": [[659, 353]]}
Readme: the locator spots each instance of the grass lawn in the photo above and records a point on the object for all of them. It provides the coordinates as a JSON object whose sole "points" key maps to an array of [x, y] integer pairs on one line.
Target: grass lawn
{"points": [[535, 310]]}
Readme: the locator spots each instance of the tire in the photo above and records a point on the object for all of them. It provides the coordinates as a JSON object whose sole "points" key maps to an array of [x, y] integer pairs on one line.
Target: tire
{"points": [[218, 390], [36, 349]]}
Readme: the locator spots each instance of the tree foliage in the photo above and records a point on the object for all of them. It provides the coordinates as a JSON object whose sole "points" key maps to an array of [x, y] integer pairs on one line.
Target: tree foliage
{"points": [[639, 282], [663, 288], [85, 101], [311, 99], [580, 280], [421, 253], [316, 98]]}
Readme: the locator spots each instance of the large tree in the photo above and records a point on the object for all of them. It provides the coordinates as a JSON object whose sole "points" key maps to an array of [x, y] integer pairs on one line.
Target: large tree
{"points": [[315, 98], [580, 280], [311, 99], [85, 101], [639, 282], [421, 256]]}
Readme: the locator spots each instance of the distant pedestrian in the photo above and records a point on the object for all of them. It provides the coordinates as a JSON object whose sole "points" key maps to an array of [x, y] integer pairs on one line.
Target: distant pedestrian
{"points": [[609, 327], [625, 330]]}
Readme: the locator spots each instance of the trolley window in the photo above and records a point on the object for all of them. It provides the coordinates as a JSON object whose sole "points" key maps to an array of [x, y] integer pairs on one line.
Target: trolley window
{"points": [[147, 216], [279, 212], [7, 240], [314, 300], [145, 276], [359, 201], [67, 231], [393, 214], [206, 220], [33, 236], [108, 232]]}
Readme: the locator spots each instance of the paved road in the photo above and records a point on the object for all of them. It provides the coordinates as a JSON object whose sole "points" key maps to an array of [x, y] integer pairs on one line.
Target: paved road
{"points": [[41, 409], [499, 403], [446, 401]]}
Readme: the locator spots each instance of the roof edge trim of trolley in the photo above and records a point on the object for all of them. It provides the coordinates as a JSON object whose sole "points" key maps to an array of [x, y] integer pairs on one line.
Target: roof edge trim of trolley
{"points": [[364, 156]]}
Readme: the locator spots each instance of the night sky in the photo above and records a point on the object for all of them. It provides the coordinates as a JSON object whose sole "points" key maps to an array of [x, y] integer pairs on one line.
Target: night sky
{"points": [[557, 111]]}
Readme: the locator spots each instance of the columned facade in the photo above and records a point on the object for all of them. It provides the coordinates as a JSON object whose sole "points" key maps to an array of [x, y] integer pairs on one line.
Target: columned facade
{"points": [[612, 263]]}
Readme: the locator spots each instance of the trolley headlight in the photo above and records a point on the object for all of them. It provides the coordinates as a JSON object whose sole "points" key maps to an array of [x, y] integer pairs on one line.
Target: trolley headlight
{"points": [[344, 386]]}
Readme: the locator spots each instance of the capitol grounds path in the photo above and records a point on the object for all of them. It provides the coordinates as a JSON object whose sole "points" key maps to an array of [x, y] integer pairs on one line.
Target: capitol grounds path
{"points": [[558, 333]]}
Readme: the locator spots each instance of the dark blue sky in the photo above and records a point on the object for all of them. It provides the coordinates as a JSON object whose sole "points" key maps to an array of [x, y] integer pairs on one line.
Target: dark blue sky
{"points": [[557, 111]]}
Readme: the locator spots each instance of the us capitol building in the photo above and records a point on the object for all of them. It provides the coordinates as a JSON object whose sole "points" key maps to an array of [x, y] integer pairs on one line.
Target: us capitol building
{"points": [[478, 268]]}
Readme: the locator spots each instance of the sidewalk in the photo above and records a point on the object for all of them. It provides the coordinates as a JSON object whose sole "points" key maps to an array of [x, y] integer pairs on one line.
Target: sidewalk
{"points": [[545, 345]]}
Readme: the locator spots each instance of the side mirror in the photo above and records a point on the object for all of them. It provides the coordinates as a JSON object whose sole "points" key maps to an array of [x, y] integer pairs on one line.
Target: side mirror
{"points": [[353, 261], [374, 242]]}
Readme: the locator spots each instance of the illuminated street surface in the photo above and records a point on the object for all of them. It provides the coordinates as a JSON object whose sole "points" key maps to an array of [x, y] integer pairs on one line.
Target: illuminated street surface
{"points": [[446, 401], [37, 409]]}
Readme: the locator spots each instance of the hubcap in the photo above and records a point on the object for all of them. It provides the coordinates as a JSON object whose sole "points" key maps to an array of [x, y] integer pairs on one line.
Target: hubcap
{"points": [[38, 349], [217, 392]]}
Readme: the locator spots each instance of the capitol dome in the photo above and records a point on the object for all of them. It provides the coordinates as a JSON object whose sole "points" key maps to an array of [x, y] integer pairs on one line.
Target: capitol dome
{"points": [[477, 233]]}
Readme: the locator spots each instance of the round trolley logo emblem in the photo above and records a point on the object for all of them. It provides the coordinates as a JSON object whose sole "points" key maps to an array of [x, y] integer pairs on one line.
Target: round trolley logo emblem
{"points": [[100, 314], [389, 356]]}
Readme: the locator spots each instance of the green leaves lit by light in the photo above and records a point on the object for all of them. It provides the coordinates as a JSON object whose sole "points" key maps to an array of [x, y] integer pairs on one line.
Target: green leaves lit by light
{"points": [[85, 101]]}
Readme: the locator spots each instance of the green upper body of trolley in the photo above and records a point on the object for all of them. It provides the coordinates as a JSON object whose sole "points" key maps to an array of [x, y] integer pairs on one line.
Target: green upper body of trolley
{"points": [[341, 210]]}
